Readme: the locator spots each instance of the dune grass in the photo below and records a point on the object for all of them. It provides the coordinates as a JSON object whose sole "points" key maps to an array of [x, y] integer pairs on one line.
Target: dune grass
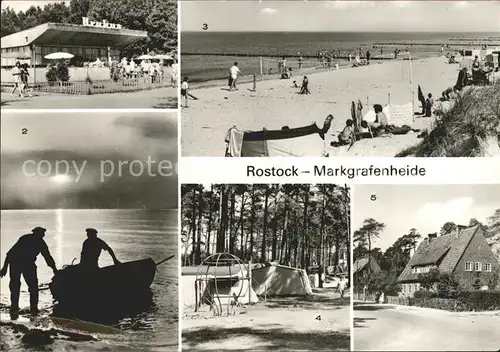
{"points": [[465, 128]]}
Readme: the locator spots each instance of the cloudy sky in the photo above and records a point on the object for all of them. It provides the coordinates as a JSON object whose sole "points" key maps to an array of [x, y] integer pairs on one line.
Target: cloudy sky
{"points": [[21, 5], [426, 208], [314, 15], [87, 149]]}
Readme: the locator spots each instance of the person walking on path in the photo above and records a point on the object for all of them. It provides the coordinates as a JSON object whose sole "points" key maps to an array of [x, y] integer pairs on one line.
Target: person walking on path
{"points": [[234, 71]]}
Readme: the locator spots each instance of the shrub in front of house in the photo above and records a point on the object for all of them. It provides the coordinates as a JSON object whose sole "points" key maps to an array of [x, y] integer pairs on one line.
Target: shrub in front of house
{"points": [[51, 75], [435, 303], [479, 300], [424, 294], [63, 72]]}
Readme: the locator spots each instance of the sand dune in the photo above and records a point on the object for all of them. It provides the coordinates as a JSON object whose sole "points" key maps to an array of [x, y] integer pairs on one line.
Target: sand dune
{"points": [[275, 104]]}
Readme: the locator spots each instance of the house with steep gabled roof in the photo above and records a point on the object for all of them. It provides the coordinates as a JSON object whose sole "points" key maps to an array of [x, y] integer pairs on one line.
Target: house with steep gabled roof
{"points": [[464, 253], [360, 270]]}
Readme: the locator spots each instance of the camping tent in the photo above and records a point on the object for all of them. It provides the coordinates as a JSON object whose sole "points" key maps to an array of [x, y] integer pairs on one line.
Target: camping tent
{"points": [[279, 280], [216, 284], [302, 141]]}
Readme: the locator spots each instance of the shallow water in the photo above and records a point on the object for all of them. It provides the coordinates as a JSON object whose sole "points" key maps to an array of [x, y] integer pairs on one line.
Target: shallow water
{"points": [[201, 68], [132, 234]]}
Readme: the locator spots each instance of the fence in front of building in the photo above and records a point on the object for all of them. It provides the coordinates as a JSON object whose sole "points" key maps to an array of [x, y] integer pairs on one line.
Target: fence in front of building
{"points": [[368, 297], [85, 81], [100, 87]]}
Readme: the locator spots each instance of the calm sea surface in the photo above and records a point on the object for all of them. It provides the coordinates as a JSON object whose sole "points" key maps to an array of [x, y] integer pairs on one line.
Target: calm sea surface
{"points": [[276, 44], [133, 235]]}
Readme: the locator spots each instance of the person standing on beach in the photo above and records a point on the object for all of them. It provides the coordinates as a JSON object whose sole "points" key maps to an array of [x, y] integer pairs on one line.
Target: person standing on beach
{"points": [[367, 56], [301, 61], [234, 71], [429, 103], [304, 89], [184, 91]]}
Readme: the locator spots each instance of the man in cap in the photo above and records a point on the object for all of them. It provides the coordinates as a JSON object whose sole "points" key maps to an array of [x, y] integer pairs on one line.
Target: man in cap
{"points": [[21, 258], [91, 250]]}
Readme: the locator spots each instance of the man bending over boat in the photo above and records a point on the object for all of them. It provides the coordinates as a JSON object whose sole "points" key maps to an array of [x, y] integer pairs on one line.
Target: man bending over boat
{"points": [[21, 258], [91, 250]]}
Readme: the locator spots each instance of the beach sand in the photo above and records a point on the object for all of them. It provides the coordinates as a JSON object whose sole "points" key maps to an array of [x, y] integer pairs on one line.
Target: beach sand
{"points": [[317, 322], [275, 104]]}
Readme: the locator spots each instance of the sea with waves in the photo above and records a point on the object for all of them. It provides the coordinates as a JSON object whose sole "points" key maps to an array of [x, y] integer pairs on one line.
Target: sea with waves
{"points": [[132, 234], [207, 56]]}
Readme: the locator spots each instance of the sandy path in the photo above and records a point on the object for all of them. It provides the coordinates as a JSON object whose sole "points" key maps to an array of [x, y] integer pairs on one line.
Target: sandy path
{"points": [[161, 98], [275, 104], [400, 328], [284, 324]]}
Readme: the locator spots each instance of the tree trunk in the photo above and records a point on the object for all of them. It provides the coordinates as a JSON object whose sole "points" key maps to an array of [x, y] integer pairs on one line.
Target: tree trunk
{"points": [[283, 256], [305, 225], [242, 213], [231, 222], [264, 231], [275, 240], [347, 213], [197, 257], [221, 236], [337, 248], [193, 225], [252, 222], [209, 230], [320, 250]]}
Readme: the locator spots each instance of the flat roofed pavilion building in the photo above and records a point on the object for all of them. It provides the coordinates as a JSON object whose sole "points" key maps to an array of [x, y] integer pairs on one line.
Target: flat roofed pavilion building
{"points": [[87, 42]]}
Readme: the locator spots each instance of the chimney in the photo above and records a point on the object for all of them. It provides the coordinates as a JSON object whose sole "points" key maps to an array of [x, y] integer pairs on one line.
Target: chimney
{"points": [[432, 236]]}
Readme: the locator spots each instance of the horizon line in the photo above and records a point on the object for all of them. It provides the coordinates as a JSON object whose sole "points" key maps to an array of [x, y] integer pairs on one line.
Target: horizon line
{"points": [[343, 31], [47, 209]]}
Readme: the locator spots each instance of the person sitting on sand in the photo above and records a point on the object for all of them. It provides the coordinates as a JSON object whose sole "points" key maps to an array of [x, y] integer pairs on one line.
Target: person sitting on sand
{"points": [[184, 91], [346, 136], [365, 130], [381, 121], [446, 94], [295, 84], [304, 89], [429, 102]]}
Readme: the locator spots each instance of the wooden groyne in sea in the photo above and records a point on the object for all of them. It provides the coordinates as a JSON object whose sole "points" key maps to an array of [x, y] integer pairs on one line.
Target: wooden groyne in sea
{"points": [[271, 56]]}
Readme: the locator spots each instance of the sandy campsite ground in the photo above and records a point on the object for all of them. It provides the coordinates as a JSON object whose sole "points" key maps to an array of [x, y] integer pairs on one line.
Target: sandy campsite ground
{"points": [[276, 104], [161, 98], [278, 324], [385, 327]]}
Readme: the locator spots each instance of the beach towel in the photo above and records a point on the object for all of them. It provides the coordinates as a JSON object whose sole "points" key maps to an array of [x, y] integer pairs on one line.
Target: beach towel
{"points": [[421, 97], [234, 140]]}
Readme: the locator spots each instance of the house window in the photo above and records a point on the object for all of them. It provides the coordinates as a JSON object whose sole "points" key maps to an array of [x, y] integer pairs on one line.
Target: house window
{"points": [[403, 288], [487, 267], [477, 266], [415, 270], [468, 266]]}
